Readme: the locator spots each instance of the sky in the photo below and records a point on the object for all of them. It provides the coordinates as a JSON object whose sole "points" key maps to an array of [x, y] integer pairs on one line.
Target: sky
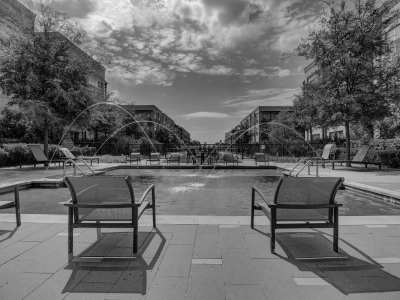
{"points": [[206, 63]]}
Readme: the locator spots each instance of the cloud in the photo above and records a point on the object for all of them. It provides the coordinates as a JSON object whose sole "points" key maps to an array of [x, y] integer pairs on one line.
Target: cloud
{"points": [[206, 115], [271, 96], [158, 39]]}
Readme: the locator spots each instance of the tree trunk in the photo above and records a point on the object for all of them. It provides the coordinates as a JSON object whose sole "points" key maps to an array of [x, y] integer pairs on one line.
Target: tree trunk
{"points": [[347, 127], [311, 137], [46, 140]]}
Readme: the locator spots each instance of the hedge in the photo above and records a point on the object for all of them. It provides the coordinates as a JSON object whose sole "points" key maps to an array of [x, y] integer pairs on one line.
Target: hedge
{"points": [[390, 158], [16, 154]]}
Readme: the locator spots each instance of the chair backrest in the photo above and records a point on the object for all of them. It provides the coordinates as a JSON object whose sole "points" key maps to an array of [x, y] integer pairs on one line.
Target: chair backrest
{"points": [[227, 157], [306, 191], [68, 142], [37, 152], [67, 153], [174, 156], [99, 190], [328, 149], [135, 155], [362, 153], [260, 157], [155, 155]]}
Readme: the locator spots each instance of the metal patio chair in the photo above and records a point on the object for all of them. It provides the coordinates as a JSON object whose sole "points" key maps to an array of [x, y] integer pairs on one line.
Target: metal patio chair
{"points": [[134, 157], [41, 158], [174, 158], [228, 158], [106, 202], [260, 158], [301, 202], [154, 157], [327, 153], [6, 204]]}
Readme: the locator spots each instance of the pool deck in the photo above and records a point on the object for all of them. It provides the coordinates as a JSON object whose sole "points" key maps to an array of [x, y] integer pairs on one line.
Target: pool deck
{"points": [[197, 261], [203, 257]]}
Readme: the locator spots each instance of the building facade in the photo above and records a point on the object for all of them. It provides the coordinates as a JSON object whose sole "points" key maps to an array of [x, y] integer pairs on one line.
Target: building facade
{"points": [[255, 124], [96, 72], [157, 120]]}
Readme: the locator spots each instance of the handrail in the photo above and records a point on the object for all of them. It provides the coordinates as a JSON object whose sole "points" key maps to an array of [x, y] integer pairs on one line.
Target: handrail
{"points": [[306, 164], [76, 166], [294, 168]]}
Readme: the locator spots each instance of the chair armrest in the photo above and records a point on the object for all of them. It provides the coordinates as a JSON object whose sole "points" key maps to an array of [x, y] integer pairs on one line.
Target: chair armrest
{"points": [[102, 205], [306, 206], [256, 190], [146, 192]]}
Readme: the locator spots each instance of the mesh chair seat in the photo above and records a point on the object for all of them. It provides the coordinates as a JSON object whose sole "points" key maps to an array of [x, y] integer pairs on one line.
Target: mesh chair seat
{"points": [[108, 214]]}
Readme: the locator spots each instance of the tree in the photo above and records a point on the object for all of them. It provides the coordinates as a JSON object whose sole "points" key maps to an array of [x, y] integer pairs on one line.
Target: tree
{"points": [[353, 54], [41, 77]]}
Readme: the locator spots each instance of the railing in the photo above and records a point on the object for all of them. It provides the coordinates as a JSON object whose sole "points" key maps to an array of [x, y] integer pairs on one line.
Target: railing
{"points": [[76, 167], [307, 164]]}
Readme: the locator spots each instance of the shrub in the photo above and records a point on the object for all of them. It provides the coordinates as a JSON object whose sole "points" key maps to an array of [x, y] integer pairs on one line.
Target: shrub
{"points": [[3, 157], [18, 154], [390, 158]]}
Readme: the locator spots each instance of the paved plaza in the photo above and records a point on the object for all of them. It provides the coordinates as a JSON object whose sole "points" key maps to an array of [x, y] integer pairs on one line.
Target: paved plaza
{"points": [[220, 261], [202, 257]]}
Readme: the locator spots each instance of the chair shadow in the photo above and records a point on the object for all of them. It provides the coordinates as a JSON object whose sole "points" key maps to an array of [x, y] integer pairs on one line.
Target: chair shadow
{"points": [[114, 272], [9, 234], [347, 273]]}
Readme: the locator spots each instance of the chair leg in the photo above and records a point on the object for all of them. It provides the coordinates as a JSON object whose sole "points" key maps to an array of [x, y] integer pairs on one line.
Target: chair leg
{"points": [[135, 239], [336, 230], [153, 204], [70, 235], [252, 209], [17, 207], [273, 223]]}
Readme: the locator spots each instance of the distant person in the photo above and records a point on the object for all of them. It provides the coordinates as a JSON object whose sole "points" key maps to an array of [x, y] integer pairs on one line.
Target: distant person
{"points": [[202, 156]]}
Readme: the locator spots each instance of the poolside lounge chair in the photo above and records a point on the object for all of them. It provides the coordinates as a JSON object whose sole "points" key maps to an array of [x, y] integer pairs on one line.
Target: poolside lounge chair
{"points": [[228, 158], [15, 204], [327, 153], [135, 157], [305, 202], [361, 158], [106, 202], [154, 157], [260, 158], [41, 158], [68, 155]]}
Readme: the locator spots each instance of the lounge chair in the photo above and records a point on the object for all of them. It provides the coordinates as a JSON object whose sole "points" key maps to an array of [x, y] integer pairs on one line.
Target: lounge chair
{"points": [[15, 204], [41, 158], [106, 202], [134, 157], [69, 155], [301, 202], [361, 158], [228, 158], [260, 158], [174, 158], [154, 157], [327, 154]]}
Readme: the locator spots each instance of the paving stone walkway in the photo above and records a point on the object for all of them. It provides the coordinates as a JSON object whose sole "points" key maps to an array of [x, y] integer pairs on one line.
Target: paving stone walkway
{"points": [[220, 261]]}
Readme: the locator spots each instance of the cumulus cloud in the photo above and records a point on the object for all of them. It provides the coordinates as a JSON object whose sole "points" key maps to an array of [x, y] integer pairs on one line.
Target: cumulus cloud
{"points": [[206, 115], [150, 41], [270, 96]]}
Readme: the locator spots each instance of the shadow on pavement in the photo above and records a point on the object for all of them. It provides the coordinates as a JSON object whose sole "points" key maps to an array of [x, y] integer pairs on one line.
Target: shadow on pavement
{"points": [[105, 268], [312, 252]]}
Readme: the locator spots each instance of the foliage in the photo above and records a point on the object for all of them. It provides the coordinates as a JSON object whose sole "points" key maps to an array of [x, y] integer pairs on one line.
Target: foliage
{"points": [[41, 76], [359, 78], [390, 158]]}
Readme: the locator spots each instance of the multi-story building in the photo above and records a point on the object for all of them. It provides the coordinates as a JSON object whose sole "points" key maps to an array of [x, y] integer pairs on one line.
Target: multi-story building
{"points": [[96, 72], [16, 21], [255, 124], [157, 119]]}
